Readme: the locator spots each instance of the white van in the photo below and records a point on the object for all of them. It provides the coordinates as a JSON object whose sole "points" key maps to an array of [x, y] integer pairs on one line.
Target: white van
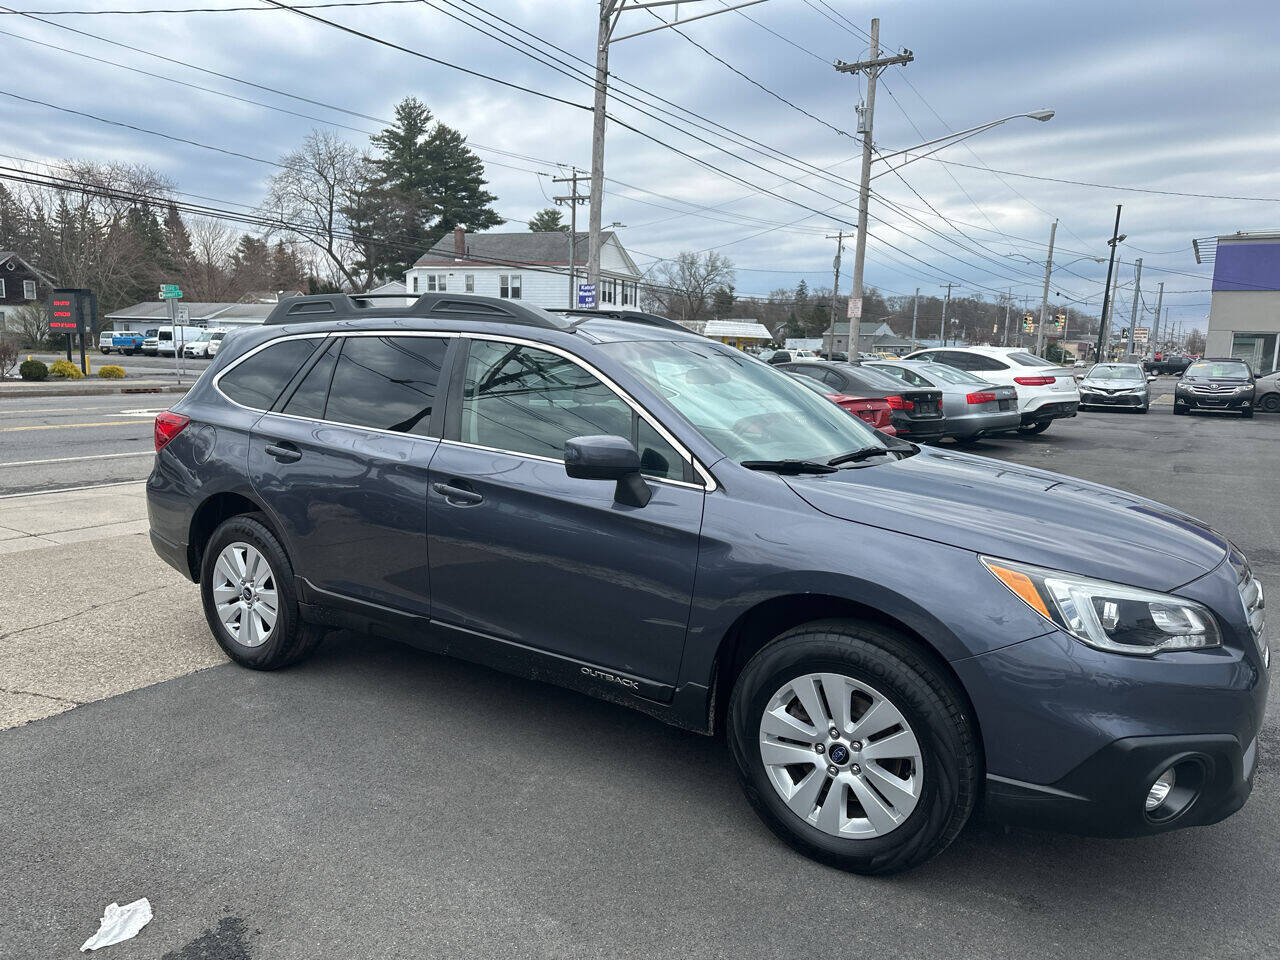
{"points": [[162, 343]]}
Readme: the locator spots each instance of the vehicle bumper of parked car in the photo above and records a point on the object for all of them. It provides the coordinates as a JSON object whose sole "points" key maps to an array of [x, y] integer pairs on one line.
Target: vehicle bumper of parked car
{"points": [[1056, 410], [982, 424], [922, 429], [1113, 399], [1187, 398]]}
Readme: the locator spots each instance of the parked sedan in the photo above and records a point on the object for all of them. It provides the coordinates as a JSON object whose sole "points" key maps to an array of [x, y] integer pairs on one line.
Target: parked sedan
{"points": [[1116, 385], [1266, 395], [917, 412], [1225, 384], [872, 410], [972, 407]]}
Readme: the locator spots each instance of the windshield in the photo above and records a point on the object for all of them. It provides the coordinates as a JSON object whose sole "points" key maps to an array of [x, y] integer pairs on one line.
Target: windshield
{"points": [[1116, 371], [940, 371], [745, 408], [203, 338], [1027, 359], [1235, 369]]}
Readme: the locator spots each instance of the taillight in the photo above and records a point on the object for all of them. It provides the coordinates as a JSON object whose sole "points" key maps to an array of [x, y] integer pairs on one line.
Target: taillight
{"points": [[1033, 381], [900, 403], [168, 426], [980, 397]]}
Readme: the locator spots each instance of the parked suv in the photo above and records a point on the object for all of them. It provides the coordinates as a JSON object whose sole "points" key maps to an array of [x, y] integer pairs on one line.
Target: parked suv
{"points": [[1225, 384], [1045, 392], [886, 633]]}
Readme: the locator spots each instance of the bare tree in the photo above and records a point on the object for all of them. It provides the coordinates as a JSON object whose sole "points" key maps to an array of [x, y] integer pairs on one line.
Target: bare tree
{"points": [[209, 270], [310, 197], [683, 288]]}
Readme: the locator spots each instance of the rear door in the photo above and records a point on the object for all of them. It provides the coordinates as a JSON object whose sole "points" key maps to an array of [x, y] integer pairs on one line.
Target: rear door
{"points": [[521, 552], [341, 460]]}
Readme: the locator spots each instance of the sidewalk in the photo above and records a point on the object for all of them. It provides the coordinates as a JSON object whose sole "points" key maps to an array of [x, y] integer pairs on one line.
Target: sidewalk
{"points": [[88, 387], [88, 610]]}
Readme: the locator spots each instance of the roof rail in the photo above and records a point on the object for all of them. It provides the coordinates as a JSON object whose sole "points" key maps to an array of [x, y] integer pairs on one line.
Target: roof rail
{"points": [[353, 306], [631, 316]]}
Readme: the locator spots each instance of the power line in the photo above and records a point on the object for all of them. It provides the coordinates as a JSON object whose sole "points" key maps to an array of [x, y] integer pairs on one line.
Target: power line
{"points": [[254, 9]]}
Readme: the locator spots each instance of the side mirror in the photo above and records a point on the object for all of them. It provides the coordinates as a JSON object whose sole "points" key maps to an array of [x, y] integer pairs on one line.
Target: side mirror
{"points": [[608, 458]]}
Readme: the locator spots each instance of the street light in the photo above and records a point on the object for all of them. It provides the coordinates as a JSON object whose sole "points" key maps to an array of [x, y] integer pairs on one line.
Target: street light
{"points": [[954, 138]]}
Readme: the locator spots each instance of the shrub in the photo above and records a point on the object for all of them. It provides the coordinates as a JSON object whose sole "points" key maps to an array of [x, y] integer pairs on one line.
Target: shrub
{"points": [[33, 370], [111, 372], [65, 369]]}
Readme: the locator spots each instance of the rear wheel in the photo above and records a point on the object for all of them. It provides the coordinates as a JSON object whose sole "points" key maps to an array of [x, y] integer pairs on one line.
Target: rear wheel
{"points": [[1031, 429], [1270, 403], [853, 748], [250, 602]]}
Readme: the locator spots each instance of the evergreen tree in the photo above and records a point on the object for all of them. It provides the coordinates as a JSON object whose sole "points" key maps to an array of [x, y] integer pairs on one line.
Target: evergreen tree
{"points": [[547, 220], [423, 182], [177, 243]]}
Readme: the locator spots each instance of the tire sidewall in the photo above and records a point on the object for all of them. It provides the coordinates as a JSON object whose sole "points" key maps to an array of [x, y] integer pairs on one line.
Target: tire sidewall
{"points": [[864, 661], [246, 529]]}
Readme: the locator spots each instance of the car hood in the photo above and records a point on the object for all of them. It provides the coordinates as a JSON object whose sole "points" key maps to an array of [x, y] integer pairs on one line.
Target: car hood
{"points": [[1124, 384], [1021, 513]]}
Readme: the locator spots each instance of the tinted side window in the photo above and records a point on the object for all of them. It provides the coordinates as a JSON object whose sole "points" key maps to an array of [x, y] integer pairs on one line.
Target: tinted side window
{"points": [[308, 399], [386, 382], [985, 363], [527, 400], [257, 381]]}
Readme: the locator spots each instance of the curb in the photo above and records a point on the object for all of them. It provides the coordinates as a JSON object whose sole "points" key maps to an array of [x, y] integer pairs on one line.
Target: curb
{"points": [[92, 390]]}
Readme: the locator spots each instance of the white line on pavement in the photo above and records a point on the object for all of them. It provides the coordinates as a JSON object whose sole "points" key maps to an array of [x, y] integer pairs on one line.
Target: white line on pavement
{"points": [[92, 486], [96, 456]]}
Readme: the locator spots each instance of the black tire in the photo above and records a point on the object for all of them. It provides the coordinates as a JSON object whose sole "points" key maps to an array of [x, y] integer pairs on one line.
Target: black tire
{"points": [[291, 639], [1247, 414], [1179, 410], [1031, 429], [1144, 409], [1270, 403], [926, 698]]}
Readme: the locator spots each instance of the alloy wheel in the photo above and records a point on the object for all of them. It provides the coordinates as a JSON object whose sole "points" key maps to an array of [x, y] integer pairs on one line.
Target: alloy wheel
{"points": [[841, 755], [244, 592]]}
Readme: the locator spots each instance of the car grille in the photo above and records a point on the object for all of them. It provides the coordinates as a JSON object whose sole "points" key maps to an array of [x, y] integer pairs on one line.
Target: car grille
{"points": [[1214, 389]]}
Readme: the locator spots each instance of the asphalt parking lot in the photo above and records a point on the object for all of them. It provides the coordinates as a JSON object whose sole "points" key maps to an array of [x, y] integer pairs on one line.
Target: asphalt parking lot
{"points": [[379, 801]]}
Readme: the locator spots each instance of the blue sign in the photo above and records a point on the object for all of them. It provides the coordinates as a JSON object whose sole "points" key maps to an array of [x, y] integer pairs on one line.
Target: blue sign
{"points": [[587, 295]]}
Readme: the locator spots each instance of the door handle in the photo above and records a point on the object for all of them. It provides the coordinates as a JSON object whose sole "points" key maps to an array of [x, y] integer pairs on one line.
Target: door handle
{"points": [[458, 496], [284, 452]]}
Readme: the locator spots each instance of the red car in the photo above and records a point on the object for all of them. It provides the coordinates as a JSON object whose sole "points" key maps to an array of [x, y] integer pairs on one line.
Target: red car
{"points": [[877, 411]]}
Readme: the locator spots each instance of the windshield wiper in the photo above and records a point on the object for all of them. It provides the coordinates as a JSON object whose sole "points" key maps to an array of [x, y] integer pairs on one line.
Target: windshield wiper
{"points": [[865, 453], [789, 466]]}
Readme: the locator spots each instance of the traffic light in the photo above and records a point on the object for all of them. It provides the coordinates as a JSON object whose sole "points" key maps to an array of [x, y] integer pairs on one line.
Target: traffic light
{"points": [[1060, 320], [1028, 322]]}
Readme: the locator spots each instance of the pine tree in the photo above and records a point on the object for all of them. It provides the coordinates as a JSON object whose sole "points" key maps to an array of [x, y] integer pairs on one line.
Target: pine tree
{"points": [[177, 243], [544, 221], [424, 181]]}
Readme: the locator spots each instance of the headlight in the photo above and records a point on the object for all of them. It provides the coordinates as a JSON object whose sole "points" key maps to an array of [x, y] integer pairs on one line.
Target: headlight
{"points": [[1110, 616]]}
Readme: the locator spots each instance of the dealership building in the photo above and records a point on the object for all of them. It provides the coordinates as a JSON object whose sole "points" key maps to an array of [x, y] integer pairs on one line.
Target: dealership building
{"points": [[1244, 315]]}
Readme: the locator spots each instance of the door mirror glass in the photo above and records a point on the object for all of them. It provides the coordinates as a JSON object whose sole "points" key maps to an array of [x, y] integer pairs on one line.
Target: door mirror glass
{"points": [[608, 458]]}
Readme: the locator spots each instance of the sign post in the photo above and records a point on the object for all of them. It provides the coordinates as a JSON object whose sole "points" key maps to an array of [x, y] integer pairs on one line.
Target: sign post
{"points": [[171, 292], [586, 296]]}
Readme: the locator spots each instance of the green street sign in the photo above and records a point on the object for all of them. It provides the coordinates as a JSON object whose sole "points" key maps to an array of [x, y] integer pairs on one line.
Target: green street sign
{"points": [[170, 291]]}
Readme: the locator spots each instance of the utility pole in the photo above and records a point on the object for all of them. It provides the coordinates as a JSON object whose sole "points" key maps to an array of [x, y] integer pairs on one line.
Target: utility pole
{"points": [[611, 12], [1133, 313], [1106, 289], [872, 67], [1154, 340], [835, 291], [942, 330], [572, 200], [1008, 309], [915, 312], [1044, 296]]}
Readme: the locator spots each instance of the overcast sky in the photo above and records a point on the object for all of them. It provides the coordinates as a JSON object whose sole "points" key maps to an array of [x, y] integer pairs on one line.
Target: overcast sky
{"points": [[1173, 96]]}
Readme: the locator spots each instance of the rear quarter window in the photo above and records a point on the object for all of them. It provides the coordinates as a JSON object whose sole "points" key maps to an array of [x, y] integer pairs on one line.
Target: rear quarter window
{"points": [[257, 380]]}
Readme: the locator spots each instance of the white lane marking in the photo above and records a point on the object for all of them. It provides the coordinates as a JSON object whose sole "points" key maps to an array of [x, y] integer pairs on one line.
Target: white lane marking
{"points": [[148, 414], [96, 456], [94, 486]]}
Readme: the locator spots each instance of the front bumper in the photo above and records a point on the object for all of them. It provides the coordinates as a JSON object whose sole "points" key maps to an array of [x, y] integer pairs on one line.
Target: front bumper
{"points": [[1210, 402], [1104, 795], [1114, 399], [1056, 410]]}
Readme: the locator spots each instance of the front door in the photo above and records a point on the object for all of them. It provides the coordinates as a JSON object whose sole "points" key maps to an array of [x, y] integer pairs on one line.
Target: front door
{"points": [[342, 463], [521, 552]]}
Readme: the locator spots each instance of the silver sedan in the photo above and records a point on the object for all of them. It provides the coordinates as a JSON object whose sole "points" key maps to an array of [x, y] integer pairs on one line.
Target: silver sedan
{"points": [[973, 408], [1116, 385]]}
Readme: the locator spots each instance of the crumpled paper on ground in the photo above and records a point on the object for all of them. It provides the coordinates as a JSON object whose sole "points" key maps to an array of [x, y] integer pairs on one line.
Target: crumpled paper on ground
{"points": [[120, 923]]}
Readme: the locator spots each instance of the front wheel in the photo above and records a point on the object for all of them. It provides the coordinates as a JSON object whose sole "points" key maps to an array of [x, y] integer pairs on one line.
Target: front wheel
{"points": [[1270, 403], [853, 747], [250, 602], [1247, 414], [1031, 429]]}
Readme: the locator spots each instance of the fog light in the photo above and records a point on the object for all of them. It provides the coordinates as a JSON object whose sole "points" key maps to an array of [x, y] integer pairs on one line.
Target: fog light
{"points": [[1160, 790]]}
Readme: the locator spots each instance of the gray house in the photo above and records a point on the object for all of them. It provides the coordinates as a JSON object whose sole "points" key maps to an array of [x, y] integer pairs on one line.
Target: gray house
{"points": [[873, 336]]}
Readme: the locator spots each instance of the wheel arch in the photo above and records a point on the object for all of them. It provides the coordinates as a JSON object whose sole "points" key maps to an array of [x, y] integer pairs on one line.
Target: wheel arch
{"points": [[761, 624], [211, 513]]}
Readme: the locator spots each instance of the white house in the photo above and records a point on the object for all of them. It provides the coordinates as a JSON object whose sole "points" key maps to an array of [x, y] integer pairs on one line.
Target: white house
{"points": [[522, 265]]}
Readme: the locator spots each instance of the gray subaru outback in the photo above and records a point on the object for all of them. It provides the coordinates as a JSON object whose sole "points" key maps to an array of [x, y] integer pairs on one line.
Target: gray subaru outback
{"points": [[886, 634]]}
